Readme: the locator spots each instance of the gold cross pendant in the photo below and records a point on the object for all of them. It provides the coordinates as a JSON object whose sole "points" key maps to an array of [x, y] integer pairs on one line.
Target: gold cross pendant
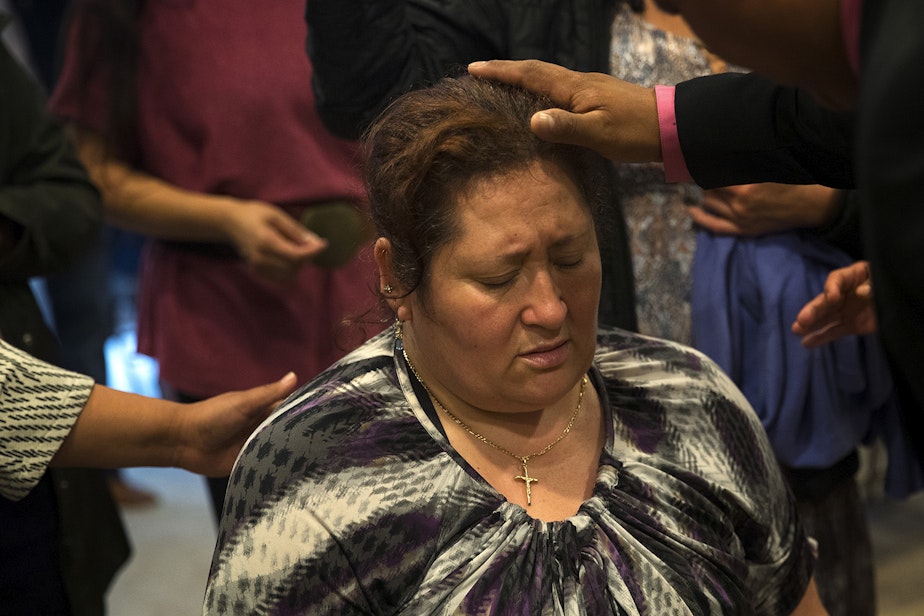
{"points": [[525, 478]]}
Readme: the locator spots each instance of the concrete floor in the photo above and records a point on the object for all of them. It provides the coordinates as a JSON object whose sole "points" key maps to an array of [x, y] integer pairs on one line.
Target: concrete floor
{"points": [[172, 545], [898, 544]]}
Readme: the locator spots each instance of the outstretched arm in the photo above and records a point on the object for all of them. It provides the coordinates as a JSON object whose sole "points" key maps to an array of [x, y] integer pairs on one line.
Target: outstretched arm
{"points": [[118, 429], [615, 118], [52, 416], [721, 130]]}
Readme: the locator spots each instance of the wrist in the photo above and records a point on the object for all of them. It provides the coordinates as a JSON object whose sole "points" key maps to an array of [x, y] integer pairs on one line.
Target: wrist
{"points": [[175, 438], [830, 208], [230, 225]]}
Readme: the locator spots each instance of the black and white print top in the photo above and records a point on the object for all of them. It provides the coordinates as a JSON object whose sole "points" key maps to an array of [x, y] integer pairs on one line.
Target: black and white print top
{"points": [[349, 500], [39, 404]]}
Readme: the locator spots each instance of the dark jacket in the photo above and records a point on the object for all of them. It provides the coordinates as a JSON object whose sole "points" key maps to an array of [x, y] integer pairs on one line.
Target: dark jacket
{"points": [[49, 213], [366, 54], [726, 139]]}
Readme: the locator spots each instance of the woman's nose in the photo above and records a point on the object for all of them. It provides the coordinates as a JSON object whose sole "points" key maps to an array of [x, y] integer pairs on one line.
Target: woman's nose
{"points": [[545, 305]]}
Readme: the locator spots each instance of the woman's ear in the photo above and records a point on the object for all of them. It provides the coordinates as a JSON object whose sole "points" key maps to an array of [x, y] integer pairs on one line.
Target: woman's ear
{"points": [[388, 283], [389, 287]]}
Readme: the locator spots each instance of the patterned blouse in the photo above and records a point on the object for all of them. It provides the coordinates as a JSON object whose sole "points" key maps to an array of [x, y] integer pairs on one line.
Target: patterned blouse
{"points": [[39, 404], [350, 500]]}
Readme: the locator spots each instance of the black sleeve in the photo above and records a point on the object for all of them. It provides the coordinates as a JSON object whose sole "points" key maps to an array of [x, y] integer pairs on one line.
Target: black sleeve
{"points": [[844, 230], [739, 128], [45, 192]]}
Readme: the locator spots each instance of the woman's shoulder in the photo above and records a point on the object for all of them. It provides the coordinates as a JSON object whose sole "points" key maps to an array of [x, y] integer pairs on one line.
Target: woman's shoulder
{"points": [[362, 382], [645, 366], [350, 414], [623, 354], [673, 397], [674, 409]]}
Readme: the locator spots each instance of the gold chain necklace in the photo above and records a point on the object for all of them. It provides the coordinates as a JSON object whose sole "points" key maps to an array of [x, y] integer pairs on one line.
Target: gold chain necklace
{"points": [[524, 460]]}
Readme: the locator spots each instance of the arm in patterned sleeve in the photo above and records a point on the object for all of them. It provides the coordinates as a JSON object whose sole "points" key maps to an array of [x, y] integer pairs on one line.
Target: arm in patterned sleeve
{"points": [[50, 416], [39, 405], [689, 434], [49, 211], [285, 535], [779, 555]]}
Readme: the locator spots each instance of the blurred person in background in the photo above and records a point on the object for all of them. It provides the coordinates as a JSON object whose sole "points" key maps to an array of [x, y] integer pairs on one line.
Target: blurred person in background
{"points": [[197, 123]]}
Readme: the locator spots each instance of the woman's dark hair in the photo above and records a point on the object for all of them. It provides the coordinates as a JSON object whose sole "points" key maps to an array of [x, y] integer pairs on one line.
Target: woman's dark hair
{"points": [[427, 148]]}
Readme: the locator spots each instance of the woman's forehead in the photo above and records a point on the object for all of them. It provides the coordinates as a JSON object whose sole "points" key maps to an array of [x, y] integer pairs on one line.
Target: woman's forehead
{"points": [[509, 211]]}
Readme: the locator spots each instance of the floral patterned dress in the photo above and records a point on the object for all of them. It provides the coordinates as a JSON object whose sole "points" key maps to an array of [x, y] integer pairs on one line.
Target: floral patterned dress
{"points": [[661, 235]]}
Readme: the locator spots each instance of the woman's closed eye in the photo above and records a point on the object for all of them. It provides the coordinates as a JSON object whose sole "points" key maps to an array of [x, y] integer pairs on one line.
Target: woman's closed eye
{"points": [[569, 262], [497, 282]]}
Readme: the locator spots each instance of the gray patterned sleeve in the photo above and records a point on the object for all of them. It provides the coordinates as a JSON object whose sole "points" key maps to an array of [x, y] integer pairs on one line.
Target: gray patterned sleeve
{"points": [[689, 420], [39, 404], [780, 556]]}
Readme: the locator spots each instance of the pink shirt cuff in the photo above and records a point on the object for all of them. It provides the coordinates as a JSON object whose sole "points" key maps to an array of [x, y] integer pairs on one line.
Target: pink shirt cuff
{"points": [[675, 167]]}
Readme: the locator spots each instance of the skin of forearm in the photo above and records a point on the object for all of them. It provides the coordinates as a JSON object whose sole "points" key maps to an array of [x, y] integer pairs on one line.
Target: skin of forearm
{"points": [[118, 429], [826, 202], [136, 201]]}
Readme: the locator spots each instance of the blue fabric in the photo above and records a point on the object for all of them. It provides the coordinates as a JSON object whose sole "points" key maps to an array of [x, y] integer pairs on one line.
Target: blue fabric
{"points": [[817, 405]]}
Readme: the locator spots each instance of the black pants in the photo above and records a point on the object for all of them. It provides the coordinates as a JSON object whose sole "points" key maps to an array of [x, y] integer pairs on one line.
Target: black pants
{"points": [[833, 513]]}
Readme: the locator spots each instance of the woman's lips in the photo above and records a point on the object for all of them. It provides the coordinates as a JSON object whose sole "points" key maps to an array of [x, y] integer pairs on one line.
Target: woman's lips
{"points": [[548, 356]]}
